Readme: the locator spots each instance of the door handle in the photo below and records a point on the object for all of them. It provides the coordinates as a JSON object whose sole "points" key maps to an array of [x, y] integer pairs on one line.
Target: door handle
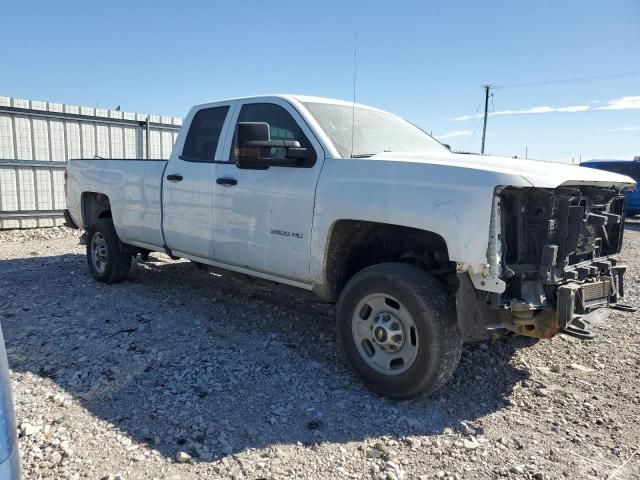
{"points": [[174, 177], [226, 181]]}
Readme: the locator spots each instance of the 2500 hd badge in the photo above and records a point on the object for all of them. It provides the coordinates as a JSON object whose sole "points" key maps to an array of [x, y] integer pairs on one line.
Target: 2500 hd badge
{"points": [[284, 233]]}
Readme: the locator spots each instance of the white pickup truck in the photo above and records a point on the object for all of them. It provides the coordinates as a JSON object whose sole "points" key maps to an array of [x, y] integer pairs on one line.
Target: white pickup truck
{"points": [[421, 248]]}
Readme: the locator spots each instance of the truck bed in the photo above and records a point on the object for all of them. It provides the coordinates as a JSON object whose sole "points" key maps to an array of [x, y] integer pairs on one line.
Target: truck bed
{"points": [[134, 188]]}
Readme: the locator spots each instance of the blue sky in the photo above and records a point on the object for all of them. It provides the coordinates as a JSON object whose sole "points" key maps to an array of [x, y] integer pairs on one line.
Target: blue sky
{"points": [[425, 60]]}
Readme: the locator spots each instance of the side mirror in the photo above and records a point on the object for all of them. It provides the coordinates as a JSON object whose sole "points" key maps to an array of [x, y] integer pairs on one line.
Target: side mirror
{"points": [[253, 148], [247, 154]]}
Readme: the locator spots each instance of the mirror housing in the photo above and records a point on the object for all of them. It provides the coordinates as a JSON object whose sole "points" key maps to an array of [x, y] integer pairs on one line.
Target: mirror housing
{"points": [[247, 155], [252, 138], [252, 132]]}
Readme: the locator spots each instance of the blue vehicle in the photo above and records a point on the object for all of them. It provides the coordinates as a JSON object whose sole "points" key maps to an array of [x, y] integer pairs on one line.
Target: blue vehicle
{"points": [[630, 168], [9, 458]]}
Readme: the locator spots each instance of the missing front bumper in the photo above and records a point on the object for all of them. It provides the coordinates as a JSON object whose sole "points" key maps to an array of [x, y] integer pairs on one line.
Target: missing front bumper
{"points": [[580, 306]]}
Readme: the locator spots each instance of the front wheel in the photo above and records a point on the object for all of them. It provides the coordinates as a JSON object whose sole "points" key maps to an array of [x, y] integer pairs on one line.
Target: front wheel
{"points": [[398, 330], [108, 260]]}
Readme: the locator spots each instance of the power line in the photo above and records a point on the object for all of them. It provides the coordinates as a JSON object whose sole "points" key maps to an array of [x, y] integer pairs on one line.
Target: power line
{"points": [[593, 78], [487, 91]]}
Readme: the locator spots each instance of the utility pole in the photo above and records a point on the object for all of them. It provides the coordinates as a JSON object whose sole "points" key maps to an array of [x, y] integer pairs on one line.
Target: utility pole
{"points": [[487, 89]]}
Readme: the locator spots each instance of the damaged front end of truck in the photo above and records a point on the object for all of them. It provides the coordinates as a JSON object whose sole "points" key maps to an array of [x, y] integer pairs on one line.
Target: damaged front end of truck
{"points": [[553, 264]]}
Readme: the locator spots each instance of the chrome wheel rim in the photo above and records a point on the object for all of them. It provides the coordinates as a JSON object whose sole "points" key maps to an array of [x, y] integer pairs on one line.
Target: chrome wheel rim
{"points": [[99, 253], [385, 334]]}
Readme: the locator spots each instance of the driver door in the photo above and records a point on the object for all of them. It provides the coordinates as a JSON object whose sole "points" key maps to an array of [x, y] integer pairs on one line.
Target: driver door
{"points": [[263, 218]]}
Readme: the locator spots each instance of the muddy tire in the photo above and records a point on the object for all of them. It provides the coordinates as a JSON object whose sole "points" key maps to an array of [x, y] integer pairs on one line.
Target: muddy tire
{"points": [[398, 330], [108, 259]]}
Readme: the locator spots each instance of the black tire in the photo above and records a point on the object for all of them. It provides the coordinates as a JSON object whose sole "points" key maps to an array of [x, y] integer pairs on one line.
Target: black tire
{"points": [[117, 263], [439, 344]]}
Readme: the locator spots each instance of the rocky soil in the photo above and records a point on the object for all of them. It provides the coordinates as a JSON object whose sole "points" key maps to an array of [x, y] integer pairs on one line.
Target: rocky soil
{"points": [[183, 374]]}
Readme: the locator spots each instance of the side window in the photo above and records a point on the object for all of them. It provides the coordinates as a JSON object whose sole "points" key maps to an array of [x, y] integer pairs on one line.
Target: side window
{"points": [[282, 126], [203, 136]]}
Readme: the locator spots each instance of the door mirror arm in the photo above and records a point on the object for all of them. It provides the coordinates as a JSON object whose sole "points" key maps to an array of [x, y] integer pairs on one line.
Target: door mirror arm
{"points": [[271, 144]]}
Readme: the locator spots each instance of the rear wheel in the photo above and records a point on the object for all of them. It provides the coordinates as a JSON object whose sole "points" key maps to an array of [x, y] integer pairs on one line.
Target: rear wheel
{"points": [[108, 259], [398, 330]]}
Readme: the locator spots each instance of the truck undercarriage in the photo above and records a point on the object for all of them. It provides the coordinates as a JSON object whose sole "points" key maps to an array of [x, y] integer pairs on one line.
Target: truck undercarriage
{"points": [[559, 261]]}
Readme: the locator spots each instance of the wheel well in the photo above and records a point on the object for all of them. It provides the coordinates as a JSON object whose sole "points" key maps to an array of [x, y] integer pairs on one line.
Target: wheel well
{"points": [[94, 206], [355, 245]]}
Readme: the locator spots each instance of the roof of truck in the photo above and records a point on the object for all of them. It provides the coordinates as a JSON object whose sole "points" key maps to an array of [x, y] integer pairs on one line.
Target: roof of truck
{"points": [[289, 97]]}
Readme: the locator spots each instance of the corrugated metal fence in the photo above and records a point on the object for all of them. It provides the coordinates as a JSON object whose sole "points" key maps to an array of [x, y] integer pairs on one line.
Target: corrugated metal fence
{"points": [[37, 139]]}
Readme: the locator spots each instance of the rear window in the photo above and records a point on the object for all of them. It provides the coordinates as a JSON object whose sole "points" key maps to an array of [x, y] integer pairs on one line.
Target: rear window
{"points": [[203, 136]]}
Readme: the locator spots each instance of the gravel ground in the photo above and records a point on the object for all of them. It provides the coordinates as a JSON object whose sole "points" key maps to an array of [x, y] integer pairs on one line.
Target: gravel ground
{"points": [[183, 374]]}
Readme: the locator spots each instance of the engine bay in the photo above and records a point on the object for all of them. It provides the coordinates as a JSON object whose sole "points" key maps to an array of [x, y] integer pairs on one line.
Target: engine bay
{"points": [[559, 257]]}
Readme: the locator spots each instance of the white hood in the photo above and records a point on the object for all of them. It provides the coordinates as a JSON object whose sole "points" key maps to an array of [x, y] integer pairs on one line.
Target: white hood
{"points": [[537, 173]]}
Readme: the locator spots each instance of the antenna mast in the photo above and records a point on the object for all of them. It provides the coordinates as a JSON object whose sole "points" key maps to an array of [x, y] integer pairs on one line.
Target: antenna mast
{"points": [[353, 111]]}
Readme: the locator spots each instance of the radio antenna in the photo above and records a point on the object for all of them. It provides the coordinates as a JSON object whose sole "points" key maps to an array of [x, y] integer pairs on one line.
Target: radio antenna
{"points": [[353, 110]]}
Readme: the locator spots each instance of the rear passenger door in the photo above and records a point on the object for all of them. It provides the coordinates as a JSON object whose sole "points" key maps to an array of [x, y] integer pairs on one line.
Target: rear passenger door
{"points": [[262, 218], [189, 180]]}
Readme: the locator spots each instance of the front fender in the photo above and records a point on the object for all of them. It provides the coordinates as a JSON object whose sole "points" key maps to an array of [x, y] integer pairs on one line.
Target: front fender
{"points": [[452, 202]]}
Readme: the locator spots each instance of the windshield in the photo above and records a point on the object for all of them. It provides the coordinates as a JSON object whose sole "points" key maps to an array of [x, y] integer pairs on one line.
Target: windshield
{"points": [[375, 131]]}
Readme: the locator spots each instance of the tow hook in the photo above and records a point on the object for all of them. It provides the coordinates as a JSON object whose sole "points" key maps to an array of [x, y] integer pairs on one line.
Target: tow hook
{"points": [[623, 308], [578, 333], [578, 328]]}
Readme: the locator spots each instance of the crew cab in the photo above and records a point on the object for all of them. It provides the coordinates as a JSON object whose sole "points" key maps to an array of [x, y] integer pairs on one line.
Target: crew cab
{"points": [[421, 248]]}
